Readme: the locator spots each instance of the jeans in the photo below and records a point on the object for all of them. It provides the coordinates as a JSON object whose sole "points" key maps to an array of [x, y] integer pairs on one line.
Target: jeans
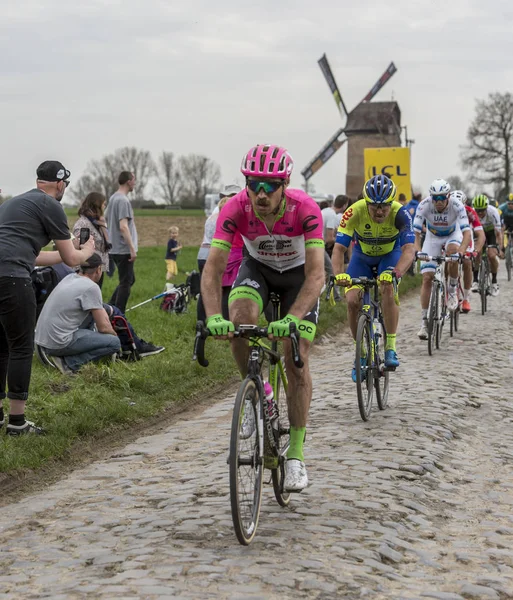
{"points": [[17, 325], [85, 347], [126, 281]]}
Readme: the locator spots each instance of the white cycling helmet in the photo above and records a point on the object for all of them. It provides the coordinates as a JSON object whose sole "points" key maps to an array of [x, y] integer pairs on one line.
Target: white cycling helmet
{"points": [[459, 195], [439, 187]]}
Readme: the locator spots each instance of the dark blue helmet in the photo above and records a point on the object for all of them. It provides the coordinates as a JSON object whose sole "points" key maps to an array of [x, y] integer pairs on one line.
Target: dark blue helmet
{"points": [[379, 190]]}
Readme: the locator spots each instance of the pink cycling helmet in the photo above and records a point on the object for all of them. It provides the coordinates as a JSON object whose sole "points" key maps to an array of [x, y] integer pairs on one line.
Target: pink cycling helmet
{"points": [[266, 160]]}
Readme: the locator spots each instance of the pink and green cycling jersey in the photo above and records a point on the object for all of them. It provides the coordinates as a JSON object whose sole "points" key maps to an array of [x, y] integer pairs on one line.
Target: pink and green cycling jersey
{"points": [[298, 226]]}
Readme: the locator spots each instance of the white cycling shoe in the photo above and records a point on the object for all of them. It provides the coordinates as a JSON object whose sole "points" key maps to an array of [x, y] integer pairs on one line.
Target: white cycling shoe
{"points": [[296, 478], [452, 301], [475, 287], [494, 290], [423, 332]]}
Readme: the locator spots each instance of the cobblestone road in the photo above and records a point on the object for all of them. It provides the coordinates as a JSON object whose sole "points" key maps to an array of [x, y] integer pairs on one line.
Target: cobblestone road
{"points": [[417, 503]]}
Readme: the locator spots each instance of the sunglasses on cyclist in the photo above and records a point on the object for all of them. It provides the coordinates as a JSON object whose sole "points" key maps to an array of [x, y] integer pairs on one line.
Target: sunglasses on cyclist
{"points": [[440, 198], [268, 186]]}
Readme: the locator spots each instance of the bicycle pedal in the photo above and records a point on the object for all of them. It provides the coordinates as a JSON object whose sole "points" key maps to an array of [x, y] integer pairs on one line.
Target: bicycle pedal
{"points": [[390, 369]]}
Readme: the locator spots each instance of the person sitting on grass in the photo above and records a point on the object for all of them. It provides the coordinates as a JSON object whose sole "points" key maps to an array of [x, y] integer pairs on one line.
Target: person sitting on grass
{"points": [[65, 326]]}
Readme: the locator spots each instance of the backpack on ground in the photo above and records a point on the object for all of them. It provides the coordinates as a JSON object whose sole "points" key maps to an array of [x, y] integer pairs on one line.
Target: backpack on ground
{"points": [[44, 281], [193, 283], [176, 299]]}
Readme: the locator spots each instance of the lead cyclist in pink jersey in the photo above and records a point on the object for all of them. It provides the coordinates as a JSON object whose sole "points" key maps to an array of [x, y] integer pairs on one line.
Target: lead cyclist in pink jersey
{"points": [[282, 233]]}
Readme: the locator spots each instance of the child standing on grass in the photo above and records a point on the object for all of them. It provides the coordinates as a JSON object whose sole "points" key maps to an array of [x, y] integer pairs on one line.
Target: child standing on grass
{"points": [[173, 248]]}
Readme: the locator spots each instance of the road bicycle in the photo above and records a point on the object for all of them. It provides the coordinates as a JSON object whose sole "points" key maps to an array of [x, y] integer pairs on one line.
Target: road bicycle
{"points": [[484, 278], [260, 430], [371, 373], [454, 315], [508, 254], [437, 309]]}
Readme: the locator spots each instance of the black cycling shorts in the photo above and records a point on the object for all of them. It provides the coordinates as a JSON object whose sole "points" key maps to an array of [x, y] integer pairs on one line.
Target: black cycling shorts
{"points": [[264, 280]]}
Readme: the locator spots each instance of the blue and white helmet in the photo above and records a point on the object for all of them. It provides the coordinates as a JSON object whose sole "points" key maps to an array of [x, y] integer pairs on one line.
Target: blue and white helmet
{"points": [[439, 187], [379, 190]]}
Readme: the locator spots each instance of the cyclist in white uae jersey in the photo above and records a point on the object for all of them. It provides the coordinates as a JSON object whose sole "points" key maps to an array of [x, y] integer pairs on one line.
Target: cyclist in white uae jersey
{"points": [[447, 227]]}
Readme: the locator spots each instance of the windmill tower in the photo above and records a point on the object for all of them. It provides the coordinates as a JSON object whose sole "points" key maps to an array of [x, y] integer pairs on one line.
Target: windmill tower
{"points": [[368, 125]]}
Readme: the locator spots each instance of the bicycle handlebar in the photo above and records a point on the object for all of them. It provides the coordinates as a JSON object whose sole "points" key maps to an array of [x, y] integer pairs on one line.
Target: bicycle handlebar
{"points": [[245, 332], [439, 259], [366, 282]]}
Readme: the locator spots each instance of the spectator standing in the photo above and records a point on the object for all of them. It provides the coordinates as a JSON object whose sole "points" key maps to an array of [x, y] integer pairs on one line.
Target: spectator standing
{"points": [[29, 222], [123, 234], [402, 199], [173, 247], [91, 216], [330, 221]]}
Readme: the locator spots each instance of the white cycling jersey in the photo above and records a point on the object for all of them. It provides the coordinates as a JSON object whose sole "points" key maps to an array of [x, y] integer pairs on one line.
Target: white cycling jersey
{"points": [[491, 220], [444, 223]]}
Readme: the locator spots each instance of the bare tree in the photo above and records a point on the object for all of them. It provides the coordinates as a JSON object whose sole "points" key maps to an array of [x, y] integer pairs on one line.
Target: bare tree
{"points": [[200, 175], [488, 153], [102, 175], [456, 182], [168, 177]]}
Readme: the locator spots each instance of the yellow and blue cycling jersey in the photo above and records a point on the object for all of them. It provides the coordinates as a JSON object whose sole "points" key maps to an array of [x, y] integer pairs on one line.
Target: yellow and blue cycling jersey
{"points": [[375, 239]]}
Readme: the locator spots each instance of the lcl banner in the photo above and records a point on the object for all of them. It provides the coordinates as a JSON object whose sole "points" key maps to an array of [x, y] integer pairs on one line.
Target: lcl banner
{"points": [[392, 162]]}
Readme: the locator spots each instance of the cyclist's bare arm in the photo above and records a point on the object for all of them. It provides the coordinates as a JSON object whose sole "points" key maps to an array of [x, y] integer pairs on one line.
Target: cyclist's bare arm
{"points": [[212, 279], [465, 242], [314, 280], [337, 258], [407, 257], [480, 240], [418, 240]]}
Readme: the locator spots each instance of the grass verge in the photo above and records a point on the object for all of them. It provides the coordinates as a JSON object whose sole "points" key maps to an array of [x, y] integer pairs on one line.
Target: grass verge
{"points": [[104, 400]]}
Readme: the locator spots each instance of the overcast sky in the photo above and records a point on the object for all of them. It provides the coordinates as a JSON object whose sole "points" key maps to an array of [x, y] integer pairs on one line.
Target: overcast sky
{"points": [[82, 79]]}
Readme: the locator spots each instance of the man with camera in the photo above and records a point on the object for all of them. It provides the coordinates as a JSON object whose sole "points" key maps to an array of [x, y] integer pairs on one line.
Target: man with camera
{"points": [[29, 222]]}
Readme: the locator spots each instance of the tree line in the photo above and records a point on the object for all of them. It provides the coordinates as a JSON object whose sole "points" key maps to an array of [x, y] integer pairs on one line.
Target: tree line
{"points": [[169, 179]]}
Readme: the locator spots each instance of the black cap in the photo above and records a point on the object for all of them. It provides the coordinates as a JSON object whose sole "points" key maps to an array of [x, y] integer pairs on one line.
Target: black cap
{"points": [[52, 170], [93, 262]]}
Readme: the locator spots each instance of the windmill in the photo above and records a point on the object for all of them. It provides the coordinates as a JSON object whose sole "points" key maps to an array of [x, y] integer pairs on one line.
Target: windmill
{"points": [[374, 125]]}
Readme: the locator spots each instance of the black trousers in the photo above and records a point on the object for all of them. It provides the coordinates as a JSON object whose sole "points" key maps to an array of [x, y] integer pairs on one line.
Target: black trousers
{"points": [[17, 324], [126, 281]]}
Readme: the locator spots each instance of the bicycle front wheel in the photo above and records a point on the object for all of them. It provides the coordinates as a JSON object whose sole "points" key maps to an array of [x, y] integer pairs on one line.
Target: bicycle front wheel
{"points": [[283, 440], [381, 375], [509, 261], [364, 371], [246, 466], [441, 314], [432, 316]]}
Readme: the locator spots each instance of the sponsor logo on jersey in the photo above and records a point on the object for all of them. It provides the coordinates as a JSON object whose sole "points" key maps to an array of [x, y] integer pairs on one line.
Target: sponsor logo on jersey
{"points": [[274, 244], [310, 223], [229, 226], [345, 217], [440, 219], [367, 226]]}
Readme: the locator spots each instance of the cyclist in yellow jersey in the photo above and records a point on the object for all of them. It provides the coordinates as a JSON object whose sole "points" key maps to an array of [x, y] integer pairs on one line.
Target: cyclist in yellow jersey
{"points": [[383, 236]]}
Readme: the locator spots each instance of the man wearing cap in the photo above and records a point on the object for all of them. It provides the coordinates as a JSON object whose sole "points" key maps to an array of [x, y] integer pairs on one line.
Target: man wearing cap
{"points": [[123, 237], [29, 222], [64, 328]]}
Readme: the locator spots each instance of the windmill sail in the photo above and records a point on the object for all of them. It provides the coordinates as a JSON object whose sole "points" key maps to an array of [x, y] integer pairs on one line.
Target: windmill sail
{"points": [[324, 155], [332, 84], [391, 69]]}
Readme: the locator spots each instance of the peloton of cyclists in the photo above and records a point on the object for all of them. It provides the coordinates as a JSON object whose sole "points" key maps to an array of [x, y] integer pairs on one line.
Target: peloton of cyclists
{"points": [[506, 210], [491, 222], [447, 227]]}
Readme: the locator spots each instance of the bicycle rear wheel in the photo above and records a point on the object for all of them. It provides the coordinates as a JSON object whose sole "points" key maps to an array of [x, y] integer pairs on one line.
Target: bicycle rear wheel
{"points": [[381, 376], [246, 467], [432, 314], [509, 261], [482, 286], [283, 440], [364, 374]]}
